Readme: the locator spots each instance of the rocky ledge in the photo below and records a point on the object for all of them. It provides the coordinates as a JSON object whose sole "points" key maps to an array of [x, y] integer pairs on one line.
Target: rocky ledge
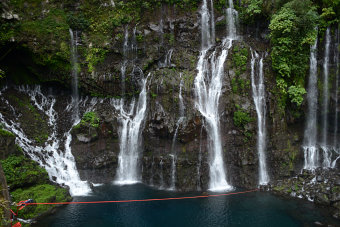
{"points": [[321, 186]]}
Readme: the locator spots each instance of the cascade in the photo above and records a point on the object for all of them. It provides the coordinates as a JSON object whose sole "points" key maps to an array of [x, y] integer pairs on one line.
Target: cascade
{"points": [[74, 63], [173, 145], [310, 136], [161, 178], [336, 61], [208, 86], [258, 90], [59, 164], [199, 162], [167, 59], [125, 60], [325, 101], [232, 16], [130, 137]]}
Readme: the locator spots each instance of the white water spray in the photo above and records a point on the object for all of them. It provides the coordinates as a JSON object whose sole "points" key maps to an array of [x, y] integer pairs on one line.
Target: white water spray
{"points": [[258, 89], [74, 63], [173, 145], [310, 136], [60, 165], [130, 137], [208, 86]]}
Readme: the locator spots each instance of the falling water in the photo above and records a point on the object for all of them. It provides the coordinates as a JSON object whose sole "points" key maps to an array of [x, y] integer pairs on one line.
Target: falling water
{"points": [[167, 59], [325, 96], [208, 86], [232, 16], [60, 165], [260, 104], [173, 146], [336, 61], [74, 63], [199, 164], [212, 21], [309, 147], [130, 141], [125, 60]]}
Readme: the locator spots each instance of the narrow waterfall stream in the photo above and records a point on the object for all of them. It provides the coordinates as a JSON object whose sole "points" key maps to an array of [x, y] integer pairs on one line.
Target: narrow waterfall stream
{"points": [[325, 99], [131, 121], [310, 136], [173, 145], [125, 59], [56, 159], [208, 85], [75, 68], [258, 89], [336, 120]]}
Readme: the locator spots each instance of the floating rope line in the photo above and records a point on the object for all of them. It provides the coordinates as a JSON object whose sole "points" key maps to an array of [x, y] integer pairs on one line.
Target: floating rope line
{"points": [[144, 200]]}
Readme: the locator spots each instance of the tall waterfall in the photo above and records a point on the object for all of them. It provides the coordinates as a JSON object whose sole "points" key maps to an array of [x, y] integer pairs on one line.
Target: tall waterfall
{"points": [[208, 86], [325, 101], [310, 137], [232, 16], [59, 163], [173, 146], [75, 68], [131, 121], [336, 61], [258, 90]]}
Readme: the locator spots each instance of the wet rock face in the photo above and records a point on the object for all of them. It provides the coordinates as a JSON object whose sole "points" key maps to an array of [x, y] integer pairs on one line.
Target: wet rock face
{"points": [[96, 148], [320, 186]]}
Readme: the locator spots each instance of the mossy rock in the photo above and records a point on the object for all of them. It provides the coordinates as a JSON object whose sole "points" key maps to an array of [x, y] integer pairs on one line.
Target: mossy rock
{"points": [[42, 193], [22, 172]]}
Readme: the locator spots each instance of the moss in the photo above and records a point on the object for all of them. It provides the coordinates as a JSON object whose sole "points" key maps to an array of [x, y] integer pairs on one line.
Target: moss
{"points": [[241, 118], [89, 119], [22, 172], [6, 133], [279, 188], [336, 189], [43, 193]]}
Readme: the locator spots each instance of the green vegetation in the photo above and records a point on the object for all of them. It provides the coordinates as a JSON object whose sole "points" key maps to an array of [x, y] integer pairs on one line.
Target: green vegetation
{"points": [[90, 119], [42, 193], [27, 180], [6, 133], [240, 57], [23, 172], [253, 10], [292, 33], [241, 118]]}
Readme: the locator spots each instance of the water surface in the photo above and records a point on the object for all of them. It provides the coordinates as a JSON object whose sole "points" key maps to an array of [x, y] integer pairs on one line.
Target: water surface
{"points": [[252, 209]]}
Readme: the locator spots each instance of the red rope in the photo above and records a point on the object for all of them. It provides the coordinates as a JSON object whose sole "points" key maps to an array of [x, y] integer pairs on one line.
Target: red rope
{"points": [[144, 200]]}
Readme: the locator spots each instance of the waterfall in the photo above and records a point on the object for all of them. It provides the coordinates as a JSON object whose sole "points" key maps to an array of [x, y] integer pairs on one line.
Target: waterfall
{"points": [[212, 21], [232, 16], [260, 105], [161, 178], [208, 86], [74, 63], [199, 161], [59, 164], [325, 97], [310, 136], [130, 137], [336, 61], [125, 60], [167, 59], [173, 146]]}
